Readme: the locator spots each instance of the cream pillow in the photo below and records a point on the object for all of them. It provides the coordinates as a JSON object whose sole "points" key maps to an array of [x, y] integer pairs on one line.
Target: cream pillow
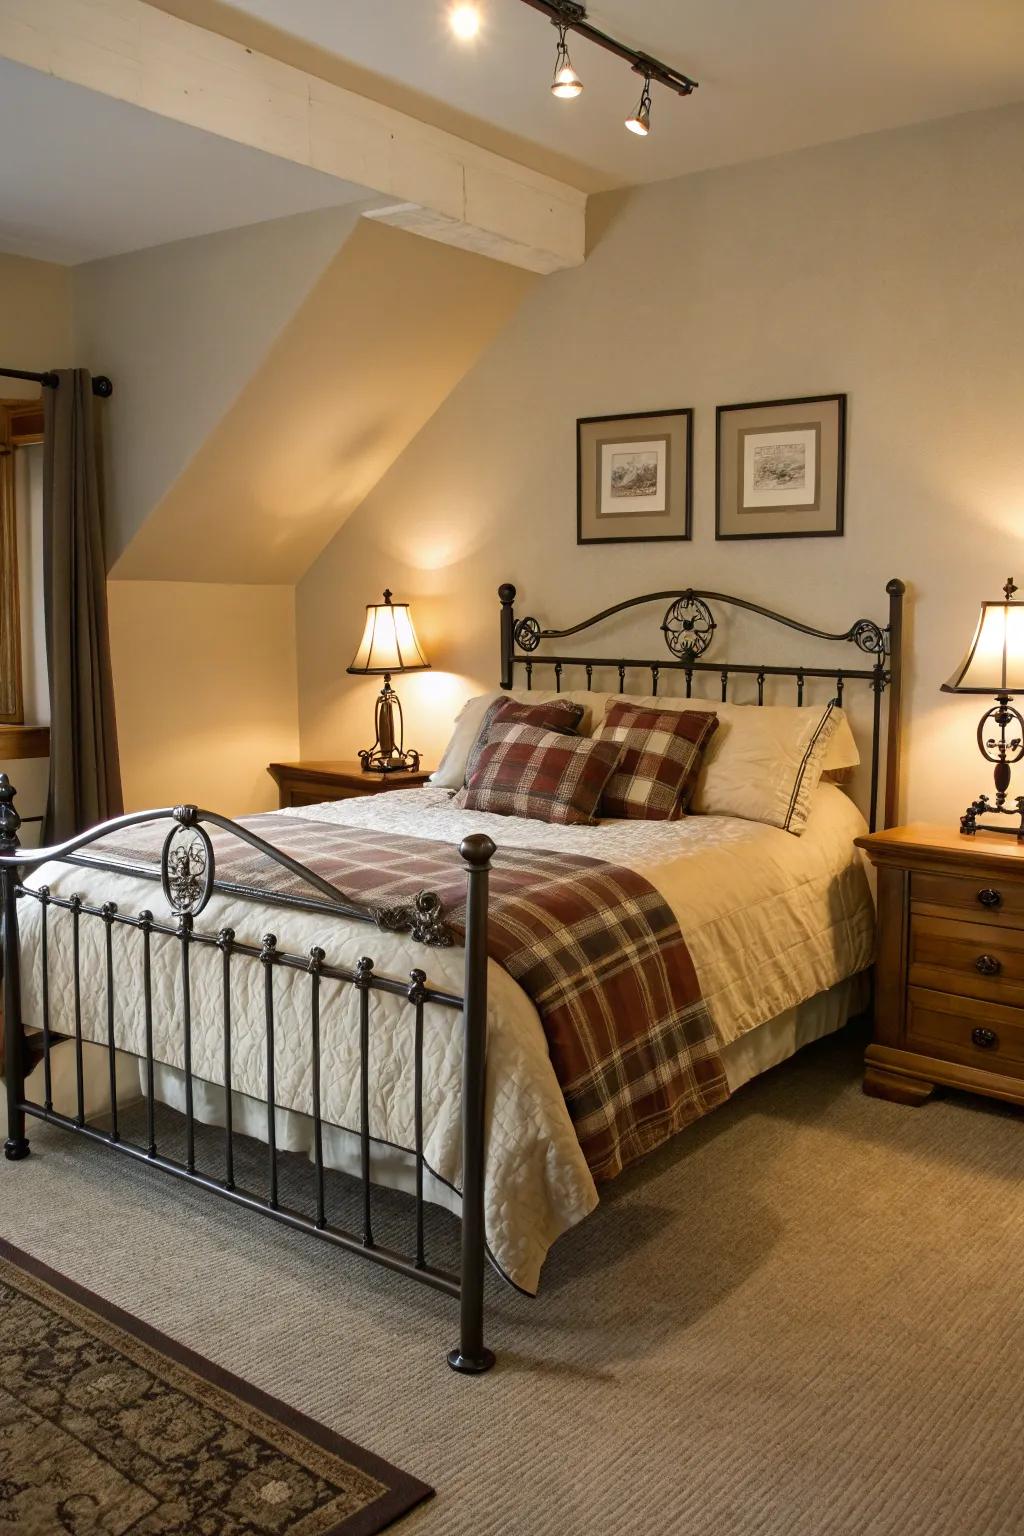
{"points": [[764, 762], [451, 771]]}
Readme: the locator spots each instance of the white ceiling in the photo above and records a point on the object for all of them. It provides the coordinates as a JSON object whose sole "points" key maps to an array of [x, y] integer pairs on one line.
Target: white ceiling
{"points": [[83, 176], [775, 74]]}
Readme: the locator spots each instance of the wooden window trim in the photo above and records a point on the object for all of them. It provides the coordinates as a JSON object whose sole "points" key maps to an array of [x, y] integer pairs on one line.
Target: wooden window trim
{"points": [[21, 423]]}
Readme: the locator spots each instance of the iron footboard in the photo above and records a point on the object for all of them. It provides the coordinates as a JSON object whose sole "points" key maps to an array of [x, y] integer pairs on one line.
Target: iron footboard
{"points": [[187, 878]]}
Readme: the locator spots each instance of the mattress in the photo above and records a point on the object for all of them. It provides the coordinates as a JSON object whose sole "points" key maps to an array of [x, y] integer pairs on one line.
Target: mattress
{"points": [[771, 921]]}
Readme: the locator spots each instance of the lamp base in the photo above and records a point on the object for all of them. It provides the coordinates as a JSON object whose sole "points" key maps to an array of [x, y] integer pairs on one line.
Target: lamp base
{"points": [[983, 806], [373, 760]]}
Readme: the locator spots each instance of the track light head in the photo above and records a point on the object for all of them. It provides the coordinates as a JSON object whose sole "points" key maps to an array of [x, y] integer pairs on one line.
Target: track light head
{"points": [[640, 121], [566, 84]]}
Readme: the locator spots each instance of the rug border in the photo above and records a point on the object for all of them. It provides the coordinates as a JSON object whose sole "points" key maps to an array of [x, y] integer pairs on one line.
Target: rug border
{"points": [[404, 1491]]}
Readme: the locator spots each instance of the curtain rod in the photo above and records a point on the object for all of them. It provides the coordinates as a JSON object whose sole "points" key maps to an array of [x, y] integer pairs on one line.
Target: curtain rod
{"points": [[101, 385]]}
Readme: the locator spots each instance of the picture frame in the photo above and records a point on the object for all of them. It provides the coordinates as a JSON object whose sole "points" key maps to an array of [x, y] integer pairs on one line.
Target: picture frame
{"points": [[634, 478], [780, 468]]}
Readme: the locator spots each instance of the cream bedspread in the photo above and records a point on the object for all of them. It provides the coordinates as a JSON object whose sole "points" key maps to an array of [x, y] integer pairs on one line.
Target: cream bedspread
{"points": [[770, 920]]}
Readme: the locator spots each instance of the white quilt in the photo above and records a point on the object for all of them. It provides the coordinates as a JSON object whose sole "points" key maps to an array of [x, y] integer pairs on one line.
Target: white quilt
{"points": [[770, 920]]}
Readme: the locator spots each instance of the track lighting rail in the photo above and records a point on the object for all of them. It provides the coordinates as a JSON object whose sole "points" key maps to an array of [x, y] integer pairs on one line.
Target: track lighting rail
{"points": [[573, 17]]}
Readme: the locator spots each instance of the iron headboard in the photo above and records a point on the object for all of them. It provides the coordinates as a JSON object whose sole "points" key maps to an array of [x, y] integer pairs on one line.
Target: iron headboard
{"points": [[688, 629]]}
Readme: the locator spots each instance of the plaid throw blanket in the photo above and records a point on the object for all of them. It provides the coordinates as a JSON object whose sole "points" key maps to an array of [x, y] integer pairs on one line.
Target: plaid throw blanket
{"points": [[594, 946]]}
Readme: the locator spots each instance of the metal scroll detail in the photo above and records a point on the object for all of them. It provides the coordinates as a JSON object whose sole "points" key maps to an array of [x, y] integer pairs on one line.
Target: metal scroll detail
{"points": [[870, 637], [187, 864], [688, 627], [422, 918], [527, 634]]}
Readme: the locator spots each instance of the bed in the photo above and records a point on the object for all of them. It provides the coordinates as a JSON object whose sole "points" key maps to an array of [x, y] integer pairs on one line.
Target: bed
{"points": [[425, 1066]]}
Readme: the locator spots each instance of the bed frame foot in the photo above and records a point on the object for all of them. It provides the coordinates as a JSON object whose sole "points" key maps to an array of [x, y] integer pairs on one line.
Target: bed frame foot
{"points": [[15, 1148], [470, 1365]]}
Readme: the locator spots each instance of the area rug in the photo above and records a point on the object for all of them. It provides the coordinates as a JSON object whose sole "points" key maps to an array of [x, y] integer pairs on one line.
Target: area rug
{"points": [[109, 1428]]}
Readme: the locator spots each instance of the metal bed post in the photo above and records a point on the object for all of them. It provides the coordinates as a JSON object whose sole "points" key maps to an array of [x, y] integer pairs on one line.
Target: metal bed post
{"points": [[472, 1357], [16, 1145]]}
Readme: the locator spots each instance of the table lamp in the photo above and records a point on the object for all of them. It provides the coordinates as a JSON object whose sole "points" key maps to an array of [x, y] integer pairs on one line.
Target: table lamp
{"points": [[389, 645], [994, 664]]}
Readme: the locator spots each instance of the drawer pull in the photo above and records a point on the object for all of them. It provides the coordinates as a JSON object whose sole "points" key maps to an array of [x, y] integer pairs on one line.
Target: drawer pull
{"points": [[985, 1039], [988, 965], [990, 898]]}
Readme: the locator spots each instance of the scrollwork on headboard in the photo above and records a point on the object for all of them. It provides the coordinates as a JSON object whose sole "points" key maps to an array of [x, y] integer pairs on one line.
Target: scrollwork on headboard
{"points": [[688, 630]]}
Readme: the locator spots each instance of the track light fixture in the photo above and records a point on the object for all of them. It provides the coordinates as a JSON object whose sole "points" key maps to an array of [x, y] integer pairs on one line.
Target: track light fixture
{"points": [[566, 84], [640, 121], [570, 16]]}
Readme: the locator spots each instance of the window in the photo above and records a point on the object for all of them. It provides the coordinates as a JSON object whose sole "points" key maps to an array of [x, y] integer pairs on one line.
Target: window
{"points": [[21, 427]]}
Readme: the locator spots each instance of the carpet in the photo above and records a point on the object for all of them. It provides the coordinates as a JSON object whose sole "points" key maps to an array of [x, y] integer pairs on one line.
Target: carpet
{"points": [[107, 1426], [803, 1317]]}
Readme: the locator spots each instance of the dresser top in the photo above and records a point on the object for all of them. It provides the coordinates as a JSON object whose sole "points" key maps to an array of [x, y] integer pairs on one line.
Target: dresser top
{"points": [[924, 843]]}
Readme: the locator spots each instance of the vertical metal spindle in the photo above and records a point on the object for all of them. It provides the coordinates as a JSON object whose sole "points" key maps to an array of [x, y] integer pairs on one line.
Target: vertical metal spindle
{"points": [[725, 685], [558, 677], [529, 675], [107, 913], [622, 678], [364, 976], [185, 935], [590, 677], [76, 956], [16, 1146], [471, 1356], [225, 939], [316, 960], [878, 687], [760, 687], [146, 924], [417, 991], [655, 674], [799, 687], [44, 902], [267, 956], [689, 682], [839, 689]]}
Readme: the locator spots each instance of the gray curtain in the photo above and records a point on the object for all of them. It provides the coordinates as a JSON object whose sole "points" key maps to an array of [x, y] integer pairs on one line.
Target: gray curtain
{"points": [[85, 778]]}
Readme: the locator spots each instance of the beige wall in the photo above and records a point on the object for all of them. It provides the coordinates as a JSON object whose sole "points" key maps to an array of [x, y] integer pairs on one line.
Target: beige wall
{"points": [[205, 682], [889, 267], [180, 329]]}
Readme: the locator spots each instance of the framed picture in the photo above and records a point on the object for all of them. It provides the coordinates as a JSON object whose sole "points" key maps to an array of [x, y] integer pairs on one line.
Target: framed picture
{"points": [[781, 469], [633, 480]]}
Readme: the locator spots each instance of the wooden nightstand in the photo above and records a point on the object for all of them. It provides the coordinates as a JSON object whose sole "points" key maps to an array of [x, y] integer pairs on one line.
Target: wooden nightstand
{"points": [[311, 783], [949, 979]]}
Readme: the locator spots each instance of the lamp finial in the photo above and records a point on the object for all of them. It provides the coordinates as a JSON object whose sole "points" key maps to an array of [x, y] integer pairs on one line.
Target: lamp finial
{"points": [[1010, 588], [388, 595]]}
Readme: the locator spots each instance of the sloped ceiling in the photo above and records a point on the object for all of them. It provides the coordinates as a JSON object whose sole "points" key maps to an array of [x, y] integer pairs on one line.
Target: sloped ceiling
{"points": [[382, 337]]}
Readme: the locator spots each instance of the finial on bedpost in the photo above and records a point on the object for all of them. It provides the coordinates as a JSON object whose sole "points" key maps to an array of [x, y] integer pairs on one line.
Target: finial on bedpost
{"points": [[477, 850], [507, 597], [10, 821]]}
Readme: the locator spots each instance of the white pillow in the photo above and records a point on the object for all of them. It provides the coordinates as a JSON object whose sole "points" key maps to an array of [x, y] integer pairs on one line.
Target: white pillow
{"points": [[451, 771], [764, 762]]}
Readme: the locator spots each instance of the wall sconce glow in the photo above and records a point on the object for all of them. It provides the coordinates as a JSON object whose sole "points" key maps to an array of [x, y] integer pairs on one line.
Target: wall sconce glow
{"points": [[464, 21], [640, 122], [567, 84]]}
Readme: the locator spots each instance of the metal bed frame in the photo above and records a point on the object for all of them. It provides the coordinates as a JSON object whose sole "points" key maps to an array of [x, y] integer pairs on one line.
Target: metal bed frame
{"points": [[188, 879]]}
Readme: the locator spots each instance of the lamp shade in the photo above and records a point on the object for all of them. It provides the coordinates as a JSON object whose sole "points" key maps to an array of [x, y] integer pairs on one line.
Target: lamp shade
{"points": [[389, 642], [994, 662]]}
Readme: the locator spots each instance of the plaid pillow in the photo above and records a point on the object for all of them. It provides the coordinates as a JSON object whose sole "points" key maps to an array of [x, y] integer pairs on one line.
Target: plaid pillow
{"points": [[549, 776], [659, 763], [551, 715]]}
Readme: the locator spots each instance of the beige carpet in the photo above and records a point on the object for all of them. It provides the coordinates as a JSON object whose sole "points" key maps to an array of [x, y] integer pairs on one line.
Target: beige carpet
{"points": [[804, 1318]]}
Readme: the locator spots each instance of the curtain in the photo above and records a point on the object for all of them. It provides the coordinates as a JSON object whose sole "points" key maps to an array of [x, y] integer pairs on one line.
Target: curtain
{"points": [[85, 778]]}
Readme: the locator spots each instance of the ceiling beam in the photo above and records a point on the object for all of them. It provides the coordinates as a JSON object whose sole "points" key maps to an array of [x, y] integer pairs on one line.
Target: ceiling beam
{"points": [[432, 182]]}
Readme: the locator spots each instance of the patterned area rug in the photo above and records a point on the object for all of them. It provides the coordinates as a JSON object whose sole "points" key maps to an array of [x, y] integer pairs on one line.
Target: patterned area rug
{"points": [[108, 1428]]}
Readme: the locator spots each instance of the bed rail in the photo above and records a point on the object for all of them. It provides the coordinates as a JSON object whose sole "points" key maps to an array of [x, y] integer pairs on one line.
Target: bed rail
{"points": [[688, 629], [187, 877]]}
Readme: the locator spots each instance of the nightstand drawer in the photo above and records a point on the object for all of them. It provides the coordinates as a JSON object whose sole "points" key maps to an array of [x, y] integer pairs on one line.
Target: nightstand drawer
{"points": [[962, 1029], [978, 899], [971, 959]]}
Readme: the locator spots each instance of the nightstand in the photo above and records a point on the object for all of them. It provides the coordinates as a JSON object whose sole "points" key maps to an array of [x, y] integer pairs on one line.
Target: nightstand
{"points": [[312, 783], [949, 977]]}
